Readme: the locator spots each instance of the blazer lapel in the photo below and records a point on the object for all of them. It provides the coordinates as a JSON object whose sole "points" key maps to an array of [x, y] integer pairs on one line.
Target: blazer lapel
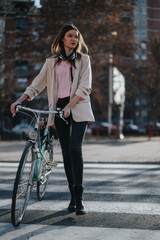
{"points": [[77, 64], [75, 78]]}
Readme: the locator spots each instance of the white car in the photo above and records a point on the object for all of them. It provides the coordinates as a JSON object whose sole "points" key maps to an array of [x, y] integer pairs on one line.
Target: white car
{"points": [[22, 128]]}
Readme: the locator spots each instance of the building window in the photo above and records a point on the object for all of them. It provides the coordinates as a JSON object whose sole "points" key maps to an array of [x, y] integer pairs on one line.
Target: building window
{"points": [[143, 11], [144, 113], [143, 46], [136, 56], [21, 80], [21, 11], [136, 33], [144, 22], [18, 41], [37, 66], [21, 83], [2, 81], [136, 22], [21, 67], [144, 34], [21, 25], [137, 102], [136, 11], [144, 57]]}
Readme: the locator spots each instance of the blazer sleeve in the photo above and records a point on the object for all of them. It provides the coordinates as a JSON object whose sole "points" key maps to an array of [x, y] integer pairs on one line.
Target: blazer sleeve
{"points": [[85, 81], [38, 84]]}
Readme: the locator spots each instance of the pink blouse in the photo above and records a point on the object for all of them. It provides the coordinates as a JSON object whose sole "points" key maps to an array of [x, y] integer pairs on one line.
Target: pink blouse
{"points": [[64, 79]]}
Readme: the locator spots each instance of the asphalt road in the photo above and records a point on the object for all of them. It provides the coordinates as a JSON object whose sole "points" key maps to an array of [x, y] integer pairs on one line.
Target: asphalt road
{"points": [[122, 195]]}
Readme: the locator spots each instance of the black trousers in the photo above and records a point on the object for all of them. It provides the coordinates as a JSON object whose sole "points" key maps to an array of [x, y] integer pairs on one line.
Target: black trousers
{"points": [[71, 137]]}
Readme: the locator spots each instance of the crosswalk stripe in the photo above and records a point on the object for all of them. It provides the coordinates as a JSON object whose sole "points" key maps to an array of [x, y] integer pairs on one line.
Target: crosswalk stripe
{"points": [[99, 189], [101, 171], [92, 206], [92, 172], [77, 232], [100, 178], [98, 165]]}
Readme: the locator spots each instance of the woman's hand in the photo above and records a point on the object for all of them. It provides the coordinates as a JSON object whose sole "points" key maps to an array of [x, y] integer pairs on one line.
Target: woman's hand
{"points": [[67, 111], [19, 101], [12, 108], [70, 105]]}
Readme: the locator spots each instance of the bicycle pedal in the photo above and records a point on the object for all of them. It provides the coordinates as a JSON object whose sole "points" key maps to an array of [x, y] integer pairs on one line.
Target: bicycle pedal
{"points": [[21, 195], [52, 164]]}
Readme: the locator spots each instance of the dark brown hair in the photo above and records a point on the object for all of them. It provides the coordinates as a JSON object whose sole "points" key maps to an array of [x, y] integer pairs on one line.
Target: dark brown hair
{"points": [[58, 46]]}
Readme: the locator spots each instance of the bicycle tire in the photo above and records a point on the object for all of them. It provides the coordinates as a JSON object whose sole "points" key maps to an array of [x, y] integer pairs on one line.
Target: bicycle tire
{"points": [[51, 153], [43, 183], [22, 185]]}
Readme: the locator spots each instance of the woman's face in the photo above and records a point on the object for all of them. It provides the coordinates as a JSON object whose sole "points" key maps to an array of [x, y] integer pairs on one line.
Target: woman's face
{"points": [[70, 39]]}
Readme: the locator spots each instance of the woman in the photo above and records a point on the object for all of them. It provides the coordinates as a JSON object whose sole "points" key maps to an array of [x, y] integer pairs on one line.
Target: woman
{"points": [[67, 75]]}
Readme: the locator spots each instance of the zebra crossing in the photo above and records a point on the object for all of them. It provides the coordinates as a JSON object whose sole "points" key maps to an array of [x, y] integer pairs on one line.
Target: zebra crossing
{"points": [[122, 199]]}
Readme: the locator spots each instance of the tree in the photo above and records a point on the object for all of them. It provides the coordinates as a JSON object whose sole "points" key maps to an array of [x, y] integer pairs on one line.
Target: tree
{"points": [[106, 27], [153, 79]]}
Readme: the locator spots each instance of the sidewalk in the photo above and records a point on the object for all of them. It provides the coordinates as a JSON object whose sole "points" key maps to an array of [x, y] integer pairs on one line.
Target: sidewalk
{"points": [[131, 149]]}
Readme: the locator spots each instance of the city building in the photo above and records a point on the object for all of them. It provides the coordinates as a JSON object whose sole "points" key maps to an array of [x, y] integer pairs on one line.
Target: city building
{"points": [[16, 25], [16, 22], [146, 18]]}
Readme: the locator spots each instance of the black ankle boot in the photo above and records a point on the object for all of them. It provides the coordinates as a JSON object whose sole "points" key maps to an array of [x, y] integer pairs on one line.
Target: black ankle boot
{"points": [[72, 204], [80, 208]]}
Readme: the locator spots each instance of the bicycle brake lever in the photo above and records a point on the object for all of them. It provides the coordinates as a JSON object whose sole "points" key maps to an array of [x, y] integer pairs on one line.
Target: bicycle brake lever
{"points": [[64, 120], [61, 115], [16, 107]]}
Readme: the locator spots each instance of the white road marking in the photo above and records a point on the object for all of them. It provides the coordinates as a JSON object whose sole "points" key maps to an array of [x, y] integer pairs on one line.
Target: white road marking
{"points": [[98, 165], [101, 178], [37, 231], [99, 189], [100, 171], [92, 206]]}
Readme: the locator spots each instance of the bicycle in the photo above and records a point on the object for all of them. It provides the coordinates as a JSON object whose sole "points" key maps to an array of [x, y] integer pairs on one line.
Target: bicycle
{"points": [[35, 165]]}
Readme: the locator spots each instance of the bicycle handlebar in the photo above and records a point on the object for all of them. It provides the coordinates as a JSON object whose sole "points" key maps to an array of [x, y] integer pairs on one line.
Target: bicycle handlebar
{"points": [[58, 111], [19, 107]]}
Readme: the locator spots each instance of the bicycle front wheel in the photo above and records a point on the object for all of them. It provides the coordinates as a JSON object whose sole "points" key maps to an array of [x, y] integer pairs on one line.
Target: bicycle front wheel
{"points": [[22, 185]]}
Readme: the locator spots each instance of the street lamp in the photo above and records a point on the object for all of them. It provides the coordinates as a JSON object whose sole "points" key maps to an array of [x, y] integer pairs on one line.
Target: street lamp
{"points": [[110, 93], [110, 85], [119, 97]]}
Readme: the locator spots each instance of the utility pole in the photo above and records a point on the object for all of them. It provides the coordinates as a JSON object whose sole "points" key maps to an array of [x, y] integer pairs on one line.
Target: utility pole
{"points": [[110, 93], [121, 115]]}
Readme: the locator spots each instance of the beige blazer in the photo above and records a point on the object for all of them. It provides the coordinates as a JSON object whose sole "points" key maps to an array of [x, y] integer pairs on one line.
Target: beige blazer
{"points": [[81, 86]]}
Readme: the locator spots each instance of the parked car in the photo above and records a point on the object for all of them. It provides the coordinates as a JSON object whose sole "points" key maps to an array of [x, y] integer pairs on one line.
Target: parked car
{"points": [[22, 128], [154, 127], [101, 128], [129, 127], [142, 129]]}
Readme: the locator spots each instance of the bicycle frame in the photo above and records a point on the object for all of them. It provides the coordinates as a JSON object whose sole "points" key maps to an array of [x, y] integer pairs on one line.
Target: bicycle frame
{"points": [[38, 143], [39, 150]]}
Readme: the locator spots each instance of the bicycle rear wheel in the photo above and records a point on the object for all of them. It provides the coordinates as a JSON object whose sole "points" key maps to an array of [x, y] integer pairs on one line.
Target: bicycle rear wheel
{"points": [[46, 170], [47, 165], [22, 185]]}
